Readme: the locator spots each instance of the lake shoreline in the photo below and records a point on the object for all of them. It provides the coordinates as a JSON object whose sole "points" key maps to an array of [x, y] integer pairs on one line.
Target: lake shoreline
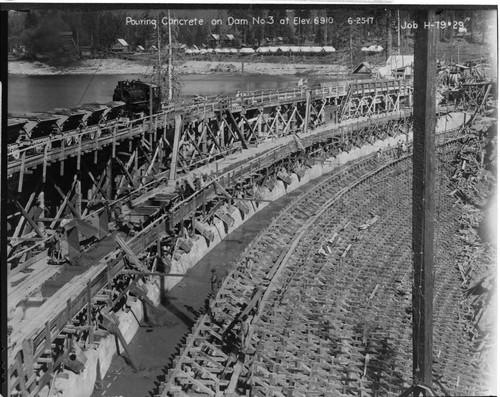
{"points": [[121, 66]]}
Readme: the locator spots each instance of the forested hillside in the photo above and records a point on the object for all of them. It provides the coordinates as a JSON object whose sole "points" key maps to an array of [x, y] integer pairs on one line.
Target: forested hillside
{"points": [[38, 31]]}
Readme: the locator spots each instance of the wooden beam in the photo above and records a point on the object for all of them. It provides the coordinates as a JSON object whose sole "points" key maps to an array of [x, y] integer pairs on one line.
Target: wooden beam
{"points": [[218, 187], [151, 165], [28, 218], [141, 273], [122, 178], [92, 178], [147, 155], [63, 156], [63, 205], [21, 220], [71, 207], [132, 257], [127, 173], [45, 162], [78, 197], [240, 133], [423, 199], [79, 153], [308, 111], [175, 149], [21, 172], [247, 199]]}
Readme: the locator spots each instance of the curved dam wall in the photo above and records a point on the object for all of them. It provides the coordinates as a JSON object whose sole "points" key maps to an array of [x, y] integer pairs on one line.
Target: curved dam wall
{"points": [[99, 356]]}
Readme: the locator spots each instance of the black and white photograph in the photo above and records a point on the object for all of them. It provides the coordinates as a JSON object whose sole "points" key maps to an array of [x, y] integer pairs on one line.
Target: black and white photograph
{"points": [[249, 200]]}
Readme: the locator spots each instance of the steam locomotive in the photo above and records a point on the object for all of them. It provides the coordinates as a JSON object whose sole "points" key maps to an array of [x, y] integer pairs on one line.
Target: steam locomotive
{"points": [[131, 100], [139, 97]]}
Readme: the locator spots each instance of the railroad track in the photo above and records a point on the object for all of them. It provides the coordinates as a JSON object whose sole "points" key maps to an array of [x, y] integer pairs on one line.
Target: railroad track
{"points": [[327, 288]]}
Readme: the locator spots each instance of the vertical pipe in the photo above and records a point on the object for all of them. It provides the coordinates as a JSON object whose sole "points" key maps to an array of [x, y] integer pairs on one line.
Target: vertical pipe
{"points": [[423, 204]]}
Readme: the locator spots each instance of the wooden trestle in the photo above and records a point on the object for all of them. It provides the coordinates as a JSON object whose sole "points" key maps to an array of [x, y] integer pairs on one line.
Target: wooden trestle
{"points": [[106, 166], [141, 174]]}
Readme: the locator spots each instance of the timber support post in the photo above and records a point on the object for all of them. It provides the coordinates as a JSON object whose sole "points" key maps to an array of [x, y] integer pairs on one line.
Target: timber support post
{"points": [[109, 179], [308, 111], [423, 202], [173, 164]]}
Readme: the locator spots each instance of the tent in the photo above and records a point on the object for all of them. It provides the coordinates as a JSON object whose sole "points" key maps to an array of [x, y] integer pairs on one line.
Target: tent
{"points": [[283, 48], [399, 61], [328, 49], [247, 50], [372, 48]]}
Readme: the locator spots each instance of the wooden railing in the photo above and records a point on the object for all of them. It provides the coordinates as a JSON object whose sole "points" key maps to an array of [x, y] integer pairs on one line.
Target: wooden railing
{"points": [[56, 147]]}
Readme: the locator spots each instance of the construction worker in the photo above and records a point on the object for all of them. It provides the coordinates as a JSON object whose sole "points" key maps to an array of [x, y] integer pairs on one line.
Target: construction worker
{"points": [[400, 149], [213, 281], [244, 329], [55, 241]]}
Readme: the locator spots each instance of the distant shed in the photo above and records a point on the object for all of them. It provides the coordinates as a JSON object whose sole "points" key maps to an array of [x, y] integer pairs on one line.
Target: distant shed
{"points": [[120, 46]]}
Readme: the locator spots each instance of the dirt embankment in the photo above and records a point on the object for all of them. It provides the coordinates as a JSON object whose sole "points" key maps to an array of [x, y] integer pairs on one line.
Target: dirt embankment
{"points": [[121, 66]]}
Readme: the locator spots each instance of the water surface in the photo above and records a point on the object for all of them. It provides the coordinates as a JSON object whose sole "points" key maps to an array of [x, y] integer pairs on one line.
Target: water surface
{"points": [[43, 93]]}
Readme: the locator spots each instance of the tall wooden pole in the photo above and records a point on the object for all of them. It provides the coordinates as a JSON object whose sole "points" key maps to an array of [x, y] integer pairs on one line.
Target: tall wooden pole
{"points": [[423, 198], [399, 35], [170, 66]]}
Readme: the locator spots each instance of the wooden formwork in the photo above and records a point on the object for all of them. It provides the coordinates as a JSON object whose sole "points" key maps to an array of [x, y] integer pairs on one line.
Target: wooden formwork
{"points": [[283, 353]]}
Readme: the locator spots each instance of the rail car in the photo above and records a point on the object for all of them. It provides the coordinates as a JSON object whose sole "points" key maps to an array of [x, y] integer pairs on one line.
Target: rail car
{"points": [[16, 136], [70, 122], [37, 131], [94, 118], [131, 100]]}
